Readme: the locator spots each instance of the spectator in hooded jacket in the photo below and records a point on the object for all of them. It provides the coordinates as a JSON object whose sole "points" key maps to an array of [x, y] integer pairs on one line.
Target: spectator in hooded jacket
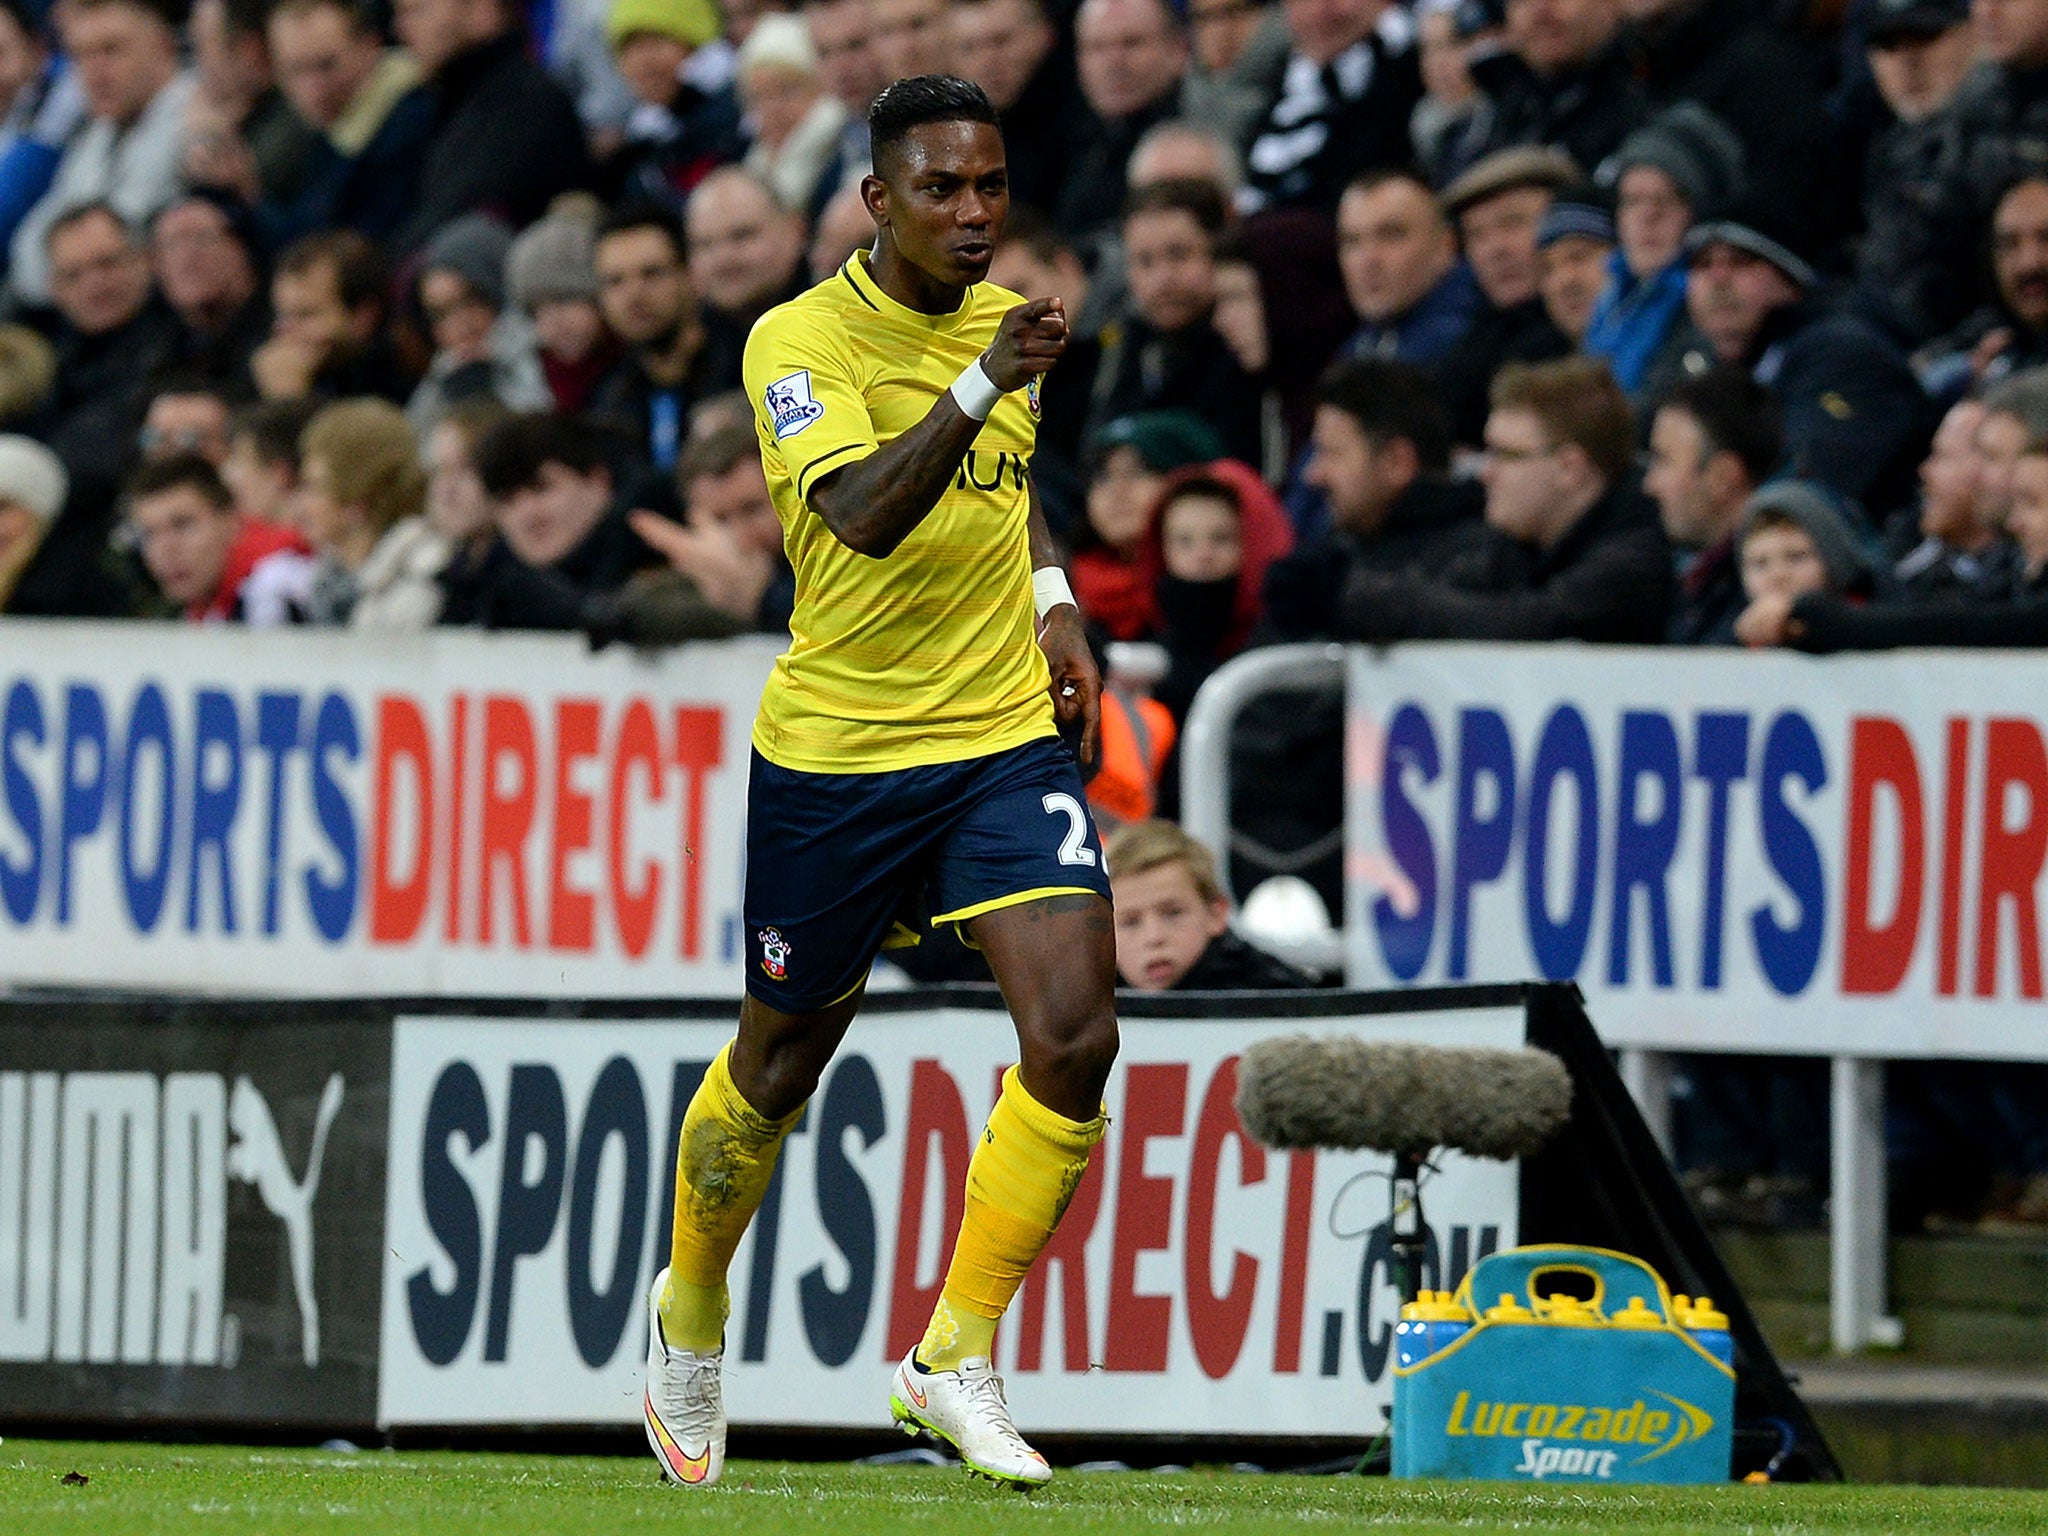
{"points": [[1681, 166], [1173, 918], [1216, 531], [1572, 550]]}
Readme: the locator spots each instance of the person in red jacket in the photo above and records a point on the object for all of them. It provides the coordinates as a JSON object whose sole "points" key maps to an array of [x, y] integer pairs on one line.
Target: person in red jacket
{"points": [[210, 561], [1128, 462]]}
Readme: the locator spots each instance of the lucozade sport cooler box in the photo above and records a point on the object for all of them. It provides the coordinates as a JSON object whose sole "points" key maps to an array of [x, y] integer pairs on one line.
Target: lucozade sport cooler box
{"points": [[1539, 1392]]}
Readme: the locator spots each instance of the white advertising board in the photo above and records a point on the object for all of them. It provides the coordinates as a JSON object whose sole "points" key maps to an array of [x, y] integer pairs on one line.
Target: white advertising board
{"points": [[1198, 1284]]}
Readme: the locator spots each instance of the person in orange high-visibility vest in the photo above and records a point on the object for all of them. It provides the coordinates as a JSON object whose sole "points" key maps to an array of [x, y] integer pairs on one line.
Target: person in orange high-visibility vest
{"points": [[1137, 734]]}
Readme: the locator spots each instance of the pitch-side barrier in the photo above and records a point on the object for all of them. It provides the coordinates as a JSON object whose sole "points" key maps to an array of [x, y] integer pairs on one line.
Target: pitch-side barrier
{"points": [[1729, 852]]}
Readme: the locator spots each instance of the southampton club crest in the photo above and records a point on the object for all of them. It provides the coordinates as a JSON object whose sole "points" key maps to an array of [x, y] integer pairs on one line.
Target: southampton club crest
{"points": [[774, 954], [1031, 398], [790, 404]]}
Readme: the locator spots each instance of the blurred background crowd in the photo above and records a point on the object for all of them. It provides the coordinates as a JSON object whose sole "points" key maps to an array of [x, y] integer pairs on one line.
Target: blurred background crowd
{"points": [[1702, 322]]}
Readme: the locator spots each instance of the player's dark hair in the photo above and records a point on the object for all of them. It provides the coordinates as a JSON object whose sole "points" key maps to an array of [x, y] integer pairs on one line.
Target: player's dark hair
{"points": [[512, 454], [153, 477], [1200, 200], [1735, 414], [636, 216], [922, 99], [1388, 400]]}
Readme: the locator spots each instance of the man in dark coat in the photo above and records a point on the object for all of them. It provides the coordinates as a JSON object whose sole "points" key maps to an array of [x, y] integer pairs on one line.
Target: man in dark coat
{"points": [[1131, 56], [1854, 415], [506, 137], [1380, 455], [1564, 79], [1573, 551]]}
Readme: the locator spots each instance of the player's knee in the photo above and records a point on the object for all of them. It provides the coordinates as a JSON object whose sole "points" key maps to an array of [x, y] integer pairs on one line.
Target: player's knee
{"points": [[1075, 1051]]}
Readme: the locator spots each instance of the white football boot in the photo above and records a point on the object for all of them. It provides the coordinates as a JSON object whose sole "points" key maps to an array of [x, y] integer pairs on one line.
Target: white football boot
{"points": [[685, 1404], [967, 1410]]}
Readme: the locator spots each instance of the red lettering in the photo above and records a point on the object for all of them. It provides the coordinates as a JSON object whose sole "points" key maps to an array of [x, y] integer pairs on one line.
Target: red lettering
{"points": [[398, 904], [458, 784], [2012, 856], [936, 1112], [1155, 1105], [507, 813], [1294, 1240], [1876, 956], [1217, 1324], [572, 913], [1067, 1252], [633, 907], [700, 747], [1948, 958]]}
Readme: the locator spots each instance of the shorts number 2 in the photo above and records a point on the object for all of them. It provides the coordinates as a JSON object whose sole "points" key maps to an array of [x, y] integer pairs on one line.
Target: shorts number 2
{"points": [[1074, 847]]}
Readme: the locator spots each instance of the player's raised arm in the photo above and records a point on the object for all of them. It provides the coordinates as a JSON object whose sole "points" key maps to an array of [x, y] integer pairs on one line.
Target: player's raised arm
{"points": [[873, 504]]}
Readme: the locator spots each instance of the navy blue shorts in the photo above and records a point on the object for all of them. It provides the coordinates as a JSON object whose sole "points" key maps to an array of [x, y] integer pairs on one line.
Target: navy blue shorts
{"points": [[843, 865]]}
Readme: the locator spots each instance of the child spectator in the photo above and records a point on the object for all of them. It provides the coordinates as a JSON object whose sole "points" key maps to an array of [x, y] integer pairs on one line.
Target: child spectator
{"points": [[1173, 920], [1216, 531], [1130, 458], [551, 273], [1794, 542], [262, 466], [479, 348], [206, 558], [361, 497]]}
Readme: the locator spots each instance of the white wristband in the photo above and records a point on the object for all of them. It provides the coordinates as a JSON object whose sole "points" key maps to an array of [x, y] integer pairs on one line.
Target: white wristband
{"points": [[1049, 589], [974, 392]]}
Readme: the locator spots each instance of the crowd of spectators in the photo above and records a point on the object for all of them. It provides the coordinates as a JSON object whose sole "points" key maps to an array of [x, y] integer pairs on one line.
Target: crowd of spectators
{"points": [[1704, 322]]}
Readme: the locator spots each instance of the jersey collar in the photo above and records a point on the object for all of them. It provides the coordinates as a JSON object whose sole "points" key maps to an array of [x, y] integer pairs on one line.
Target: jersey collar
{"points": [[862, 277]]}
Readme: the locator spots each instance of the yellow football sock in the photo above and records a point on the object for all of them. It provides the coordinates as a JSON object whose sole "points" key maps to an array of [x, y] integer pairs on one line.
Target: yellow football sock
{"points": [[1024, 1171], [723, 1163]]}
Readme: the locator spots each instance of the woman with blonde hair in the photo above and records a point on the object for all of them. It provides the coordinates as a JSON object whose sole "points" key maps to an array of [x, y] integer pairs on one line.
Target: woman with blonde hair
{"points": [[362, 496]]}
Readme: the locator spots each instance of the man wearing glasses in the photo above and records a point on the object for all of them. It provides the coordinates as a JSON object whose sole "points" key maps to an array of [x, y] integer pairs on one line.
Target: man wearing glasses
{"points": [[1572, 548]]}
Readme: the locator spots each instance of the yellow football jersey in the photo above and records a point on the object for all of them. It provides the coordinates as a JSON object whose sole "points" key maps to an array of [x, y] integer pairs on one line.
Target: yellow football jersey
{"points": [[930, 654]]}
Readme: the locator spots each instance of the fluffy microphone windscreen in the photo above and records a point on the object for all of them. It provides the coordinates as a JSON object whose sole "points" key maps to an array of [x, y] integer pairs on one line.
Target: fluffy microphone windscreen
{"points": [[1396, 1096]]}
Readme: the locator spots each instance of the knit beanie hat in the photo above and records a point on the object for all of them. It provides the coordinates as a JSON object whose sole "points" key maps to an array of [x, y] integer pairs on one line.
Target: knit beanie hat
{"points": [[474, 248], [31, 475], [1577, 211], [1699, 152], [1818, 515], [781, 40], [693, 23], [1756, 225], [1165, 440], [554, 259]]}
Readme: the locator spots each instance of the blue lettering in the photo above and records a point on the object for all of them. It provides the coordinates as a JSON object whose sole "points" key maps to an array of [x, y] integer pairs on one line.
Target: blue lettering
{"points": [[1482, 841], [216, 797], [333, 901], [598, 1314], [1721, 756], [84, 783], [835, 1319], [441, 1319], [21, 884], [145, 889], [527, 1208], [277, 736], [1789, 955], [1563, 752], [1643, 850], [1411, 748]]}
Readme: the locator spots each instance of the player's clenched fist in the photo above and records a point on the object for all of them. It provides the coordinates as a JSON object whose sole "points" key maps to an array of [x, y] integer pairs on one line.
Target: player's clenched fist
{"points": [[1029, 340]]}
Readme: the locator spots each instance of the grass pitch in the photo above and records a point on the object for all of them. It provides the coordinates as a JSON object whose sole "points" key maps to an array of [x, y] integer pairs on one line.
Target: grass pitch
{"points": [[132, 1488]]}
